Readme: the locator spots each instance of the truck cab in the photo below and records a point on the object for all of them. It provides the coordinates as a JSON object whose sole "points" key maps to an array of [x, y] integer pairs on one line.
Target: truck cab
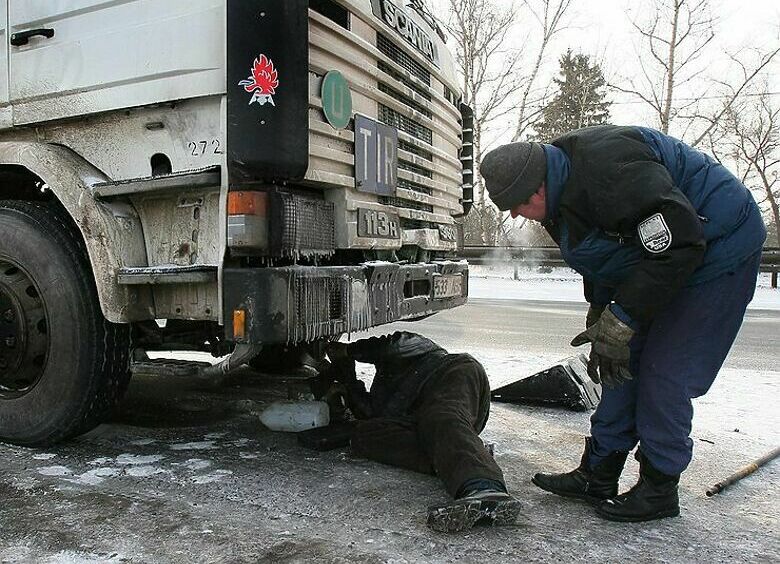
{"points": [[216, 175]]}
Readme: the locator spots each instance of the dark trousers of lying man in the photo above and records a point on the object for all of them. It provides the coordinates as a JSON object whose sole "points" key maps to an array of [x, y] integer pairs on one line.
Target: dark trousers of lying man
{"points": [[424, 413]]}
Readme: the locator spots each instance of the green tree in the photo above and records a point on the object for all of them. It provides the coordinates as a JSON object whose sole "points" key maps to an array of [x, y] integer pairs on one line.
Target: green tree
{"points": [[580, 100]]}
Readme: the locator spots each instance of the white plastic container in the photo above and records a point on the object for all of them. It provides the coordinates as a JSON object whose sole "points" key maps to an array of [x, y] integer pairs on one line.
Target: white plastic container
{"points": [[295, 416]]}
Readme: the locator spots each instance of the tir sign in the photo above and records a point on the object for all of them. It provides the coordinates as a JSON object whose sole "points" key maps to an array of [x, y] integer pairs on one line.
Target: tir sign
{"points": [[376, 157], [399, 20]]}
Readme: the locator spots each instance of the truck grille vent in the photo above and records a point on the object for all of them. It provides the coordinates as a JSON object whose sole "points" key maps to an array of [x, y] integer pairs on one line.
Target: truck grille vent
{"points": [[320, 308], [387, 69], [413, 186], [301, 226], [416, 224], [405, 100], [403, 165], [415, 150], [391, 117], [395, 53], [406, 204]]}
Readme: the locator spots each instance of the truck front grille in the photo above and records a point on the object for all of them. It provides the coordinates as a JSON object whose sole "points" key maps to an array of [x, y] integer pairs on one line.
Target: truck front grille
{"points": [[415, 150], [406, 100], [395, 53], [411, 167], [406, 81], [414, 186], [405, 124], [408, 91], [405, 92], [406, 204]]}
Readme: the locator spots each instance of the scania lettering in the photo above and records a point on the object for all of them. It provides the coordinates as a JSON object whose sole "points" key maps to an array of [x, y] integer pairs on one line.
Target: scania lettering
{"points": [[397, 18]]}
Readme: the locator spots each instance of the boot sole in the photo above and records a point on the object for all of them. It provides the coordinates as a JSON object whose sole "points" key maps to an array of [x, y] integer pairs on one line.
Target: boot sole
{"points": [[463, 516], [638, 519], [582, 497]]}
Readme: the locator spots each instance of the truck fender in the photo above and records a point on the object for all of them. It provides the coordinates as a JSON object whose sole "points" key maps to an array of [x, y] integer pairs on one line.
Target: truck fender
{"points": [[112, 231]]}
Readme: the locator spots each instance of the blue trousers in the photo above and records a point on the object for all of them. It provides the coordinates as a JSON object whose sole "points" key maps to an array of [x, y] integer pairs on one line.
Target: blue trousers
{"points": [[673, 359]]}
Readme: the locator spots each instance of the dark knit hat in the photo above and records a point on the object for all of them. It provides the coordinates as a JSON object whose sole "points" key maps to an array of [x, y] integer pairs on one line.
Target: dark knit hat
{"points": [[513, 173]]}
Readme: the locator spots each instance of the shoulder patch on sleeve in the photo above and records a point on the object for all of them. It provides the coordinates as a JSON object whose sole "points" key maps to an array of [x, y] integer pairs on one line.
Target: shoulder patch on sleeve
{"points": [[654, 234]]}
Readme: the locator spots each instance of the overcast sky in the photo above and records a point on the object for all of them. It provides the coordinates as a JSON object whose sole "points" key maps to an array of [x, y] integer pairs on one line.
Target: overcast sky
{"points": [[602, 29]]}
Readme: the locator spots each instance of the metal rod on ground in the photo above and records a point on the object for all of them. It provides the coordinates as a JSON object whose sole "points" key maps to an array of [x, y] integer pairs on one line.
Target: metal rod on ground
{"points": [[743, 472]]}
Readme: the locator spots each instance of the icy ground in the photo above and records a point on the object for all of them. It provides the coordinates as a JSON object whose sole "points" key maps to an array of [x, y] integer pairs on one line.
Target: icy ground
{"points": [[186, 474]]}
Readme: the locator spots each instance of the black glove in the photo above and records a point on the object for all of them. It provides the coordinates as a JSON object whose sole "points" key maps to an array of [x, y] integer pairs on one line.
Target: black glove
{"points": [[594, 313], [609, 354], [337, 351], [342, 373]]}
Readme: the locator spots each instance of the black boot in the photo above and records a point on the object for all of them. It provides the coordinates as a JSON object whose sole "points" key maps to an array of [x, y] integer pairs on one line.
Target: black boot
{"points": [[591, 484], [490, 507], [653, 497]]}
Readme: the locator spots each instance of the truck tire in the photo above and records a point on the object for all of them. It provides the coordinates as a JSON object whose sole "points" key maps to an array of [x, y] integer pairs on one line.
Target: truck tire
{"points": [[63, 367]]}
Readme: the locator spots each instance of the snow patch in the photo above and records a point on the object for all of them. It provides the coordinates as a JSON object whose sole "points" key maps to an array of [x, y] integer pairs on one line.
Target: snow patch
{"points": [[144, 471], [95, 477], [215, 476], [143, 442], [71, 557], [25, 484], [45, 456], [137, 460], [195, 464], [497, 282], [202, 445], [55, 471]]}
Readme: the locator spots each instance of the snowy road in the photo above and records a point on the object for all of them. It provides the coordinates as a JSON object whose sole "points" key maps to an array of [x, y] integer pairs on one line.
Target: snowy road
{"points": [[189, 475]]}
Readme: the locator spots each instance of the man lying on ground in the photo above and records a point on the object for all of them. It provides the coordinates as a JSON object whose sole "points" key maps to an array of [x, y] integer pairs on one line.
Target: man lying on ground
{"points": [[424, 412]]}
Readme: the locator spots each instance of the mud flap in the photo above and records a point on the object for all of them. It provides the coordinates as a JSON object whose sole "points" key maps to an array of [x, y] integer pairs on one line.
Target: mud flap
{"points": [[566, 384]]}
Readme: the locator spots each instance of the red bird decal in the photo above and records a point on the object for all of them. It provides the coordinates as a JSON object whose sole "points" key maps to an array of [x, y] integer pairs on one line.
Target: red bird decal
{"points": [[264, 77]]}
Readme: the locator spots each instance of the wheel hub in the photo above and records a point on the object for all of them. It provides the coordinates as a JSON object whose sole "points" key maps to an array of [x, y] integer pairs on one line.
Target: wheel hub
{"points": [[24, 335]]}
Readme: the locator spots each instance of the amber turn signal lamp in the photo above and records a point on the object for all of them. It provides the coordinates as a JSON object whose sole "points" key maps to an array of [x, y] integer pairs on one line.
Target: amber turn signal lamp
{"points": [[248, 203]]}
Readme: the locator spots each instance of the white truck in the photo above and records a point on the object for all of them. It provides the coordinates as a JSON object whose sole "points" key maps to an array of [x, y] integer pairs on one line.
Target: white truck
{"points": [[215, 175]]}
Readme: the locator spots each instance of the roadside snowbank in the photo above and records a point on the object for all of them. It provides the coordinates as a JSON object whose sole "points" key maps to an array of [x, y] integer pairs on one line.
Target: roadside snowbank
{"points": [[496, 282]]}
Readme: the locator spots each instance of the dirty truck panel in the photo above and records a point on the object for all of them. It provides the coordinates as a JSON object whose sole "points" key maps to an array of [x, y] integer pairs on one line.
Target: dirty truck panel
{"points": [[224, 176]]}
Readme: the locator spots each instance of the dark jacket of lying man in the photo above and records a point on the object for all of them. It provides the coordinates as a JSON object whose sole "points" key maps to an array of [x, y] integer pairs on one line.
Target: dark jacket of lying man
{"points": [[424, 412]]}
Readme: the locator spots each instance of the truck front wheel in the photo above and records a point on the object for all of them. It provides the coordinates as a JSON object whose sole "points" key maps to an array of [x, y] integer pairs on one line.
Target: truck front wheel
{"points": [[63, 367]]}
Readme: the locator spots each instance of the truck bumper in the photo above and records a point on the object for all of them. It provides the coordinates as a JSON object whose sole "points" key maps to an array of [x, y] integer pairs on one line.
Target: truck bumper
{"points": [[302, 303]]}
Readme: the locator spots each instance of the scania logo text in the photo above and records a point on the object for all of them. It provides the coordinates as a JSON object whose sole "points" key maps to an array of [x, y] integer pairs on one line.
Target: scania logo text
{"points": [[407, 28]]}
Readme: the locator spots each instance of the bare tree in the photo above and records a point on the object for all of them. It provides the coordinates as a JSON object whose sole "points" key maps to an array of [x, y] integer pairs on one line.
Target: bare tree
{"points": [[482, 226], [675, 82], [752, 139], [480, 29], [732, 93], [551, 17], [675, 35], [492, 79]]}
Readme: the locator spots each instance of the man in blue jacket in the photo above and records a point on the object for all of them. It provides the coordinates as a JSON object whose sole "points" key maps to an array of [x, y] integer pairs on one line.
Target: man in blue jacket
{"points": [[668, 243]]}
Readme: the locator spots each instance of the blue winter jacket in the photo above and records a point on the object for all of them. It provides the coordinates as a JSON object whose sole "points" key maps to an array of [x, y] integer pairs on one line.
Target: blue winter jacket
{"points": [[641, 215]]}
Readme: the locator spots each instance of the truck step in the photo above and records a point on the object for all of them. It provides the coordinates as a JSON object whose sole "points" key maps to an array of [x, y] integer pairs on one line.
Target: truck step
{"points": [[205, 178], [197, 274]]}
